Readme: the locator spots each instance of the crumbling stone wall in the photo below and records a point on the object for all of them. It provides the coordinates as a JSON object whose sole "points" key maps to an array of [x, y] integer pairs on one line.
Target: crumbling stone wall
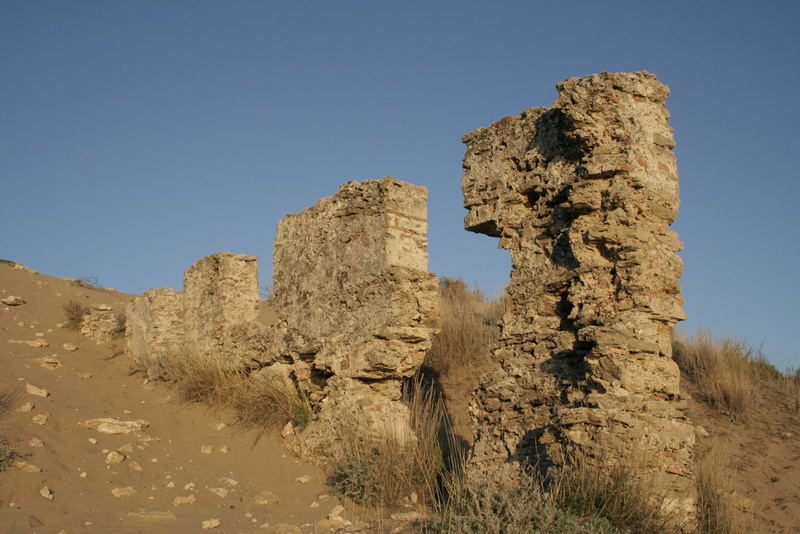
{"points": [[357, 305], [154, 329], [356, 310], [100, 324], [221, 305], [582, 194]]}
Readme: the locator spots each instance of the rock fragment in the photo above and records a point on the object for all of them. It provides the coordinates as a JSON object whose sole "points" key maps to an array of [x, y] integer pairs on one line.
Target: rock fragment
{"points": [[114, 457], [221, 492], [27, 468], [71, 347], [47, 493], [112, 425], [181, 500], [13, 300], [50, 362], [127, 491], [40, 419], [210, 523], [148, 516], [39, 392]]}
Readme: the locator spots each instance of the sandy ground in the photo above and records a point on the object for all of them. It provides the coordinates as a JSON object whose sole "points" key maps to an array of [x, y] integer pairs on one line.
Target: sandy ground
{"points": [[185, 451], [758, 460]]}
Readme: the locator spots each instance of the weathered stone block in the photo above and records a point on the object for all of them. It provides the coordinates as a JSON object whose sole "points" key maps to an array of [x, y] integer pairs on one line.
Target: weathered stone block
{"points": [[350, 276], [154, 329], [221, 307], [100, 325]]}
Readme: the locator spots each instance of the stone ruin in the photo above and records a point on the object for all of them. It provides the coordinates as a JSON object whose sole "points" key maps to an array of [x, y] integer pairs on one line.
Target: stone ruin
{"points": [[154, 329], [582, 194], [357, 305], [356, 310]]}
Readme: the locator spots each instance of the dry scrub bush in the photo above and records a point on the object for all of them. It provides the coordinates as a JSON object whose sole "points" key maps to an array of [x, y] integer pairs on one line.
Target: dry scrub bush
{"points": [[714, 512], [612, 492], [74, 312], [7, 455], [264, 402], [506, 500], [468, 328], [380, 471], [723, 370], [119, 327]]}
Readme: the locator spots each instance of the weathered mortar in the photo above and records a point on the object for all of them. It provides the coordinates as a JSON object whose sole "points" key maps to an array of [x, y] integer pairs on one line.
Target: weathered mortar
{"points": [[221, 302], [357, 306], [582, 194], [154, 329]]}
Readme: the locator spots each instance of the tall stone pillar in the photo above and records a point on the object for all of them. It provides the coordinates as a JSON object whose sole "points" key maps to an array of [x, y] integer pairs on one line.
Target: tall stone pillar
{"points": [[582, 194]]}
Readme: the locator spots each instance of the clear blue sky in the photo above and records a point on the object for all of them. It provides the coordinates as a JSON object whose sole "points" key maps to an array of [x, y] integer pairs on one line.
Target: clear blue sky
{"points": [[138, 136]]}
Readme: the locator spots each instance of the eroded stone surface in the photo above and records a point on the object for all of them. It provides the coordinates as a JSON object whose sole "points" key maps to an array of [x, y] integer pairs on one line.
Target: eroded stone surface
{"points": [[100, 324], [357, 305], [582, 194], [154, 329], [221, 307]]}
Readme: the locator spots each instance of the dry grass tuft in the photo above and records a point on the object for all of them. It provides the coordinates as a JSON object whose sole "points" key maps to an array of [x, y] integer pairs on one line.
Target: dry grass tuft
{"points": [[7, 454], [613, 493], [270, 402], [119, 327], [381, 472], [504, 499], [714, 512], [74, 312], [263, 401], [469, 327], [723, 370]]}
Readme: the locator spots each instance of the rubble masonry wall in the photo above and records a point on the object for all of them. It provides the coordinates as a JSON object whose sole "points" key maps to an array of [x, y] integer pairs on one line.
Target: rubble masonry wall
{"points": [[582, 195]]}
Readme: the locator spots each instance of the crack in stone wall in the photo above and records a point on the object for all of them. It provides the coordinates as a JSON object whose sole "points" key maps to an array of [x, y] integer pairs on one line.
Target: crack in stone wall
{"points": [[582, 195]]}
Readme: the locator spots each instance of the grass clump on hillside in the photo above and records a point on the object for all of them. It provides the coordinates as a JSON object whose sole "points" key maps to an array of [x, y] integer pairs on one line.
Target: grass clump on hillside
{"points": [[381, 471], [727, 373], [714, 512], [7, 454], [613, 493], [267, 401], [506, 500], [468, 328], [74, 312]]}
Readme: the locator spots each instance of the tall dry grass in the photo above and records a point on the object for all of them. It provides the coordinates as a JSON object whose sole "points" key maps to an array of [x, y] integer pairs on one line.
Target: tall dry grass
{"points": [[264, 401], [724, 371], [383, 471], [469, 327], [612, 492], [505, 499], [715, 514], [7, 454]]}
